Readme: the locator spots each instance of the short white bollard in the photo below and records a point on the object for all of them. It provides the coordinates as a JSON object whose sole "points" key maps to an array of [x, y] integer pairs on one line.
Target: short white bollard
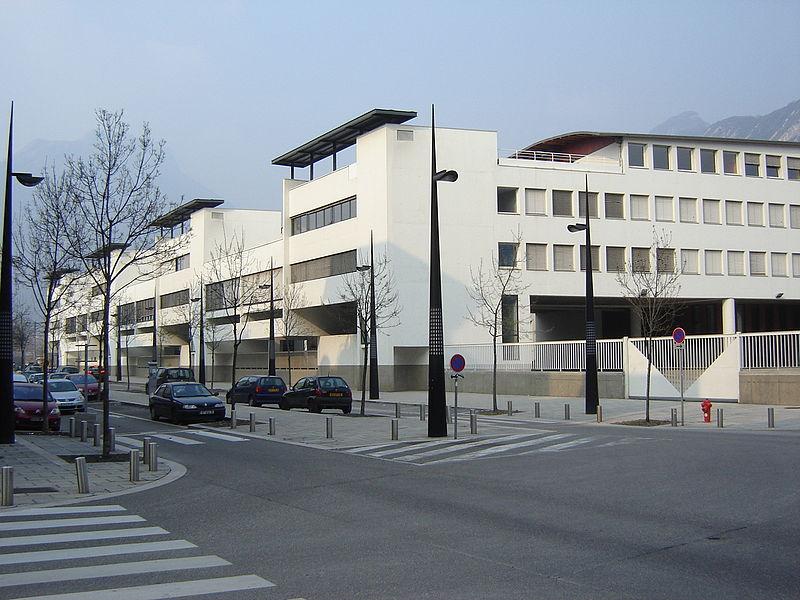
{"points": [[233, 418], [8, 486], [133, 467], [771, 418], [72, 427], [84, 431], [510, 408], [396, 410], [252, 422], [673, 417], [329, 427], [272, 425], [112, 439], [599, 413], [421, 412], [537, 410], [473, 423], [395, 429], [82, 474], [152, 455], [720, 418], [96, 434], [566, 412], [146, 450]]}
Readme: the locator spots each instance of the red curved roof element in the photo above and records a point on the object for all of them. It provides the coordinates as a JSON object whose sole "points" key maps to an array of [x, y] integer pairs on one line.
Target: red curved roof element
{"points": [[574, 143]]}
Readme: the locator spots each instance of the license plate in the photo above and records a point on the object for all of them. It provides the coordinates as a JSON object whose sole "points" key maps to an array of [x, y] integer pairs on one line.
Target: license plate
{"points": [[272, 389], [206, 412], [36, 418], [336, 394]]}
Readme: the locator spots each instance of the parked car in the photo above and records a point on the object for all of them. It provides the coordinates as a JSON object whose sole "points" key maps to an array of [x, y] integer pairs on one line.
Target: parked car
{"points": [[31, 369], [58, 375], [87, 382], [68, 396], [168, 374], [36, 378], [186, 401], [28, 408], [70, 369], [256, 390], [20, 378], [96, 371], [319, 393]]}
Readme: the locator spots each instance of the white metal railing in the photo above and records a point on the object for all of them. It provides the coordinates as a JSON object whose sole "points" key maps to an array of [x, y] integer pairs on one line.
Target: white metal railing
{"points": [[774, 350], [556, 157], [698, 353]]}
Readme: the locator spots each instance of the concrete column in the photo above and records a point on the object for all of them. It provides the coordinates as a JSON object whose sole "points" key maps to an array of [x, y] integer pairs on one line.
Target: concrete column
{"points": [[728, 316]]}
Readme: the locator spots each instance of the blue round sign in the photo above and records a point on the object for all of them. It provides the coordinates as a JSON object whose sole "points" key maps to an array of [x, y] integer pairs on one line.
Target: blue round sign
{"points": [[457, 363], [678, 335]]}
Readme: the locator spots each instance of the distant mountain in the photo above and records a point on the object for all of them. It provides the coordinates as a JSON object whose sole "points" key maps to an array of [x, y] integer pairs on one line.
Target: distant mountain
{"points": [[780, 125]]}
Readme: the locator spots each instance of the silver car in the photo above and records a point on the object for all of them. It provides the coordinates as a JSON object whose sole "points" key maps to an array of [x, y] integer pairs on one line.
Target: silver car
{"points": [[67, 395]]}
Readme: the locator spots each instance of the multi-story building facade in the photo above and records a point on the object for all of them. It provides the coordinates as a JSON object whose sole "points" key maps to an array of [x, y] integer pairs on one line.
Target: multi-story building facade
{"points": [[729, 208]]}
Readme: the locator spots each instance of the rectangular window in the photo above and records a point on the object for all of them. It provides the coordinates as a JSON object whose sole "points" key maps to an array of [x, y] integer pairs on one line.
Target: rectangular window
{"points": [[535, 202], [794, 216], [96, 291], [730, 162], [507, 200], [507, 254], [689, 261], [96, 316], [688, 208], [536, 257], [562, 203], [182, 262], [711, 211], [405, 135], [640, 207], [713, 262], [595, 258], [773, 165], [145, 309], [665, 208], [592, 205], [778, 260], [635, 155], [795, 265], [708, 161], [328, 215], [755, 214], [665, 260], [640, 260], [127, 313], [325, 266], [614, 206], [735, 262], [685, 156], [733, 212], [563, 258], [793, 168], [776, 215], [509, 317], [175, 299], [69, 325], [661, 157], [615, 259], [758, 263], [752, 165]]}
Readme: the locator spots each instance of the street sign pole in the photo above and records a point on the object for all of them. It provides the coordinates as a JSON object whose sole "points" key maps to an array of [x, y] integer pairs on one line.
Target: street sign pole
{"points": [[680, 357], [457, 364], [679, 337]]}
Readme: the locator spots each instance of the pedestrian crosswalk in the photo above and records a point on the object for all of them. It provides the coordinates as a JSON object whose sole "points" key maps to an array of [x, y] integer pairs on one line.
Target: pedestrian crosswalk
{"points": [[475, 448], [76, 565], [191, 437]]}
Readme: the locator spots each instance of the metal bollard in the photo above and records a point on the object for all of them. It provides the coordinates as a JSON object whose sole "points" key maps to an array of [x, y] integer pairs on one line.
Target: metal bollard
{"points": [[329, 427], [473, 423], [233, 418], [72, 427], [720, 421], [396, 410], [771, 418], [84, 431], [395, 429], [421, 412], [146, 450], [8, 486], [134, 466], [510, 408], [83, 475], [152, 455], [537, 410], [673, 417], [566, 412], [96, 434], [252, 422], [112, 439], [272, 425], [599, 413]]}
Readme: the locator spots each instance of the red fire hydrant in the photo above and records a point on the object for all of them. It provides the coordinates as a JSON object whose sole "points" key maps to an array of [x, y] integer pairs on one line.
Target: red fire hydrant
{"points": [[705, 406]]}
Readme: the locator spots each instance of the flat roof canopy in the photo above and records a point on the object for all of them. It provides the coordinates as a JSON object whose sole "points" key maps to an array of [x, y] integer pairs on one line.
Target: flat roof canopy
{"points": [[182, 212], [342, 137]]}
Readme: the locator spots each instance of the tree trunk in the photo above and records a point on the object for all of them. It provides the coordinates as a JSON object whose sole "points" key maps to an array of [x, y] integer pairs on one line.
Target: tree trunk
{"points": [[128, 363], [213, 354], [46, 363], [104, 392], [289, 358], [494, 366], [647, 394]]}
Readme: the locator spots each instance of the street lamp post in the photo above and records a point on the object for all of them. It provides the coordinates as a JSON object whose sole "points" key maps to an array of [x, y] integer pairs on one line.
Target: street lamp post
{"points": [[592, 397], [118, 316], [271, 349], [374, 388], [437, 405], [202, 350], [6, 343]]}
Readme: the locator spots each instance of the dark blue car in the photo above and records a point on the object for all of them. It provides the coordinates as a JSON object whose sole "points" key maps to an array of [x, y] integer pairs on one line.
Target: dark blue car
{"points": [[256, 390]]}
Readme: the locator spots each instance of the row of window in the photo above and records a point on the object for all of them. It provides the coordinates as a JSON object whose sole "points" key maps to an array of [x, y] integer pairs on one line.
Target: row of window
{"points": [[666, 158], [737, 262], [327, 215], [640, 208], [325, 266], [178, 298]]}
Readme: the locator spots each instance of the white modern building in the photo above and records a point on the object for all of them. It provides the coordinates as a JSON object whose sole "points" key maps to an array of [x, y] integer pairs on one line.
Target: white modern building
{"points": [[730, 208]]}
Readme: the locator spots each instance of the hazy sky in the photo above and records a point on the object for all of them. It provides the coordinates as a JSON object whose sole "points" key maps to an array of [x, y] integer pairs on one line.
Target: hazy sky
{"points": [[231, 85]]}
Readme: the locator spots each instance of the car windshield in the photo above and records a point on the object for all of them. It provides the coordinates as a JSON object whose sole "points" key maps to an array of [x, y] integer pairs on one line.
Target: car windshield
{"points": [[328, 383], [27, 392], [179, 373], [189, 389], [61, 385], [81, 379], [271, 381]]}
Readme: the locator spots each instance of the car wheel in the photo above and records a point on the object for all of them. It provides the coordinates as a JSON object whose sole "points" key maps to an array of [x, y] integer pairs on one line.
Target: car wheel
{"points": [[346, 411], [153, 414], [173, 418], [314, 407], [283, 405], [253, 402]]}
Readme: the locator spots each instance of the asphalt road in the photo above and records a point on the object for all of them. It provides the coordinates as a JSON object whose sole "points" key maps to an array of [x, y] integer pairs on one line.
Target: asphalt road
{"points": [[679, 514]]}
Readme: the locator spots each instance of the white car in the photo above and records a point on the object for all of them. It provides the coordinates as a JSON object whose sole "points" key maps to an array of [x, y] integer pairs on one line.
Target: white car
{"points": [[67, 395]]}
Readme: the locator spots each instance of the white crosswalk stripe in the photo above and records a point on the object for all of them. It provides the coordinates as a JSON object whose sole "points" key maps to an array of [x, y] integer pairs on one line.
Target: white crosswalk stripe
{"points": [[76, 558], [177, 439], [507, 447], [218, 436]]}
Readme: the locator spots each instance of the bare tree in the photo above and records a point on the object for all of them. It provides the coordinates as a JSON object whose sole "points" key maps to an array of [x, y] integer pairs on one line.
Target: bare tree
{"points": [[491, 285], [109, 225], [355, 288], [236, 278], [294, 298], [184, 316], [213, 340], [653, 293], [22, 330]]}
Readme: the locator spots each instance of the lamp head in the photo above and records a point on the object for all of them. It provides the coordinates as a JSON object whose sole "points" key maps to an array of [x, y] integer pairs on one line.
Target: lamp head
{"points": [[27, 179], [779, 295], [575, 227], [446, 176], [363, 268]]}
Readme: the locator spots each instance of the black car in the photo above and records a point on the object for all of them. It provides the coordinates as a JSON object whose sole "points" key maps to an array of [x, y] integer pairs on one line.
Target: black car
{"points": [[319, 393], [166, 374], [256, 390], [186, 401]]}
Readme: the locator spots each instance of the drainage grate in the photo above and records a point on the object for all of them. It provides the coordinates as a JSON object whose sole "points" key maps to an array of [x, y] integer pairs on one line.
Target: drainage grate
{"points": [[34, 490]]}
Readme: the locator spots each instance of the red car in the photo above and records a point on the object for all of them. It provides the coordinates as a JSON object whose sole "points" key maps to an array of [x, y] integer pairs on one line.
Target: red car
{"points": [[86, 384], [28, 408]]}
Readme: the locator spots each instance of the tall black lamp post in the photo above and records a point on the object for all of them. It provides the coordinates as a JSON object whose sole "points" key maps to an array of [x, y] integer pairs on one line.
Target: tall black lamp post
{"points": [[437, 404], [6, 343], [374, 388], [592, 399], [271, 349], [118, 316], [202, 350]]}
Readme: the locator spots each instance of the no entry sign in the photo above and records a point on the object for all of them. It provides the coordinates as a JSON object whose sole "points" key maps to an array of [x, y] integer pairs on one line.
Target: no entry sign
{"points": [[457, 363], [678, 336]]}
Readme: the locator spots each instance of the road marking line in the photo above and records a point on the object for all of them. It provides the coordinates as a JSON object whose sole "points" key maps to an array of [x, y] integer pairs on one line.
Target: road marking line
{"points": [[417, 446], [505, 447], [368, 448], [92, 551], [161, 591], [176, 439], [566, 445], [218, 436], [499, 440], [79, 522], [66, 510], [80, 536], [112, 570]]}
